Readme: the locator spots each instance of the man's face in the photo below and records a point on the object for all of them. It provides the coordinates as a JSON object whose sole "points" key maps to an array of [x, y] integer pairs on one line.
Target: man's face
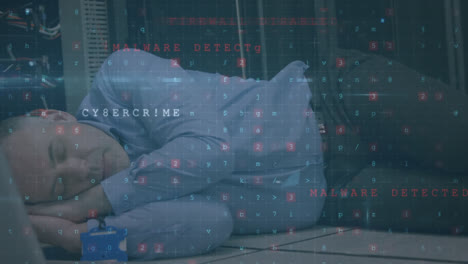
{"points": [[51, 158]]}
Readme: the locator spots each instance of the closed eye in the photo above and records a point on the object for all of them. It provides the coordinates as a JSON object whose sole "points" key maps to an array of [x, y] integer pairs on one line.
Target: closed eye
{"points": [[58, 151], [50, 151]]}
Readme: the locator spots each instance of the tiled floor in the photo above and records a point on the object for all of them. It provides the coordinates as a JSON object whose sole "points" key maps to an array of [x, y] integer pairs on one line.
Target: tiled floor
{"points": [[329, 245]]}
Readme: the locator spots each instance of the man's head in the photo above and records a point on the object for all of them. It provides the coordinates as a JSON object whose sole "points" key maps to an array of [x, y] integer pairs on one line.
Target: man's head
{"points": [[53, 155]]}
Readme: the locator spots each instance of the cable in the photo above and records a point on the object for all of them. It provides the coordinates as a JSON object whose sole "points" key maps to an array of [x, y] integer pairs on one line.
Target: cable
{"points": [[16, 21], [459, 41], [240, 39], [262, 40], [52, 35], [8, 68]]}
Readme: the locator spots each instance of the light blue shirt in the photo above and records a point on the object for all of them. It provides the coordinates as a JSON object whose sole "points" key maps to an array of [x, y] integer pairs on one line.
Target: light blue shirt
{"points": [[215, 129]]}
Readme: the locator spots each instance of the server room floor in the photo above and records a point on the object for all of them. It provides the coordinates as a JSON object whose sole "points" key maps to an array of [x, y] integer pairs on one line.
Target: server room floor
{"points": [[330, 245]]}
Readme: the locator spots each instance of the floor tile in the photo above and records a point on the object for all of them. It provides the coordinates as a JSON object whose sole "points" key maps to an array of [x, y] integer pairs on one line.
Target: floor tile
{"points": [[373, 243], [271, 257], [329, 245], [263, 241], [216, 254]]}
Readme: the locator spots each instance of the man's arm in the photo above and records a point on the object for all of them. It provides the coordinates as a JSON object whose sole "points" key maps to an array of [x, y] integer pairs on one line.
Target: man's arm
{"points": [[58, 232], [169, 229], [172, 155], [91, 203], [147, 181]]}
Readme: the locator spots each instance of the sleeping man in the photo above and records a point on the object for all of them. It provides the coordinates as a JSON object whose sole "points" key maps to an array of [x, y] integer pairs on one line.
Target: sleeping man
{"points": [[180, 159], [184, 159]]}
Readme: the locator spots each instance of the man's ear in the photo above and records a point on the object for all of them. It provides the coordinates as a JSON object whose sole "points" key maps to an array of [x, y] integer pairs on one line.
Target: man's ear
{"points": [[57, 115]]}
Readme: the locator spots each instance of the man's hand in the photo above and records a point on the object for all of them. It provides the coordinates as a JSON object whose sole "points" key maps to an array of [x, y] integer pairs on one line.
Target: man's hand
{"points": [[90, 204], [58, 232]]}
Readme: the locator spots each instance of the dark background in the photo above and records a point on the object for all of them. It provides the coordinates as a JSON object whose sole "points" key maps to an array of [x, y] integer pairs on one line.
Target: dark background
{"points": [[283, 44]]}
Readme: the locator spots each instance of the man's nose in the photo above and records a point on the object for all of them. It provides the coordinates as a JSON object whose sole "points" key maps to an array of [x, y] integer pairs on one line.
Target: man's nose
{"points": [[75, 172], [75, 168]]}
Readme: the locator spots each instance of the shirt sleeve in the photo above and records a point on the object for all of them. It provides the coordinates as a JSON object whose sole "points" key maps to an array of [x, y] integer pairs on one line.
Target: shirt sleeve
{"points": [[152, 237], [173, 155]]}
